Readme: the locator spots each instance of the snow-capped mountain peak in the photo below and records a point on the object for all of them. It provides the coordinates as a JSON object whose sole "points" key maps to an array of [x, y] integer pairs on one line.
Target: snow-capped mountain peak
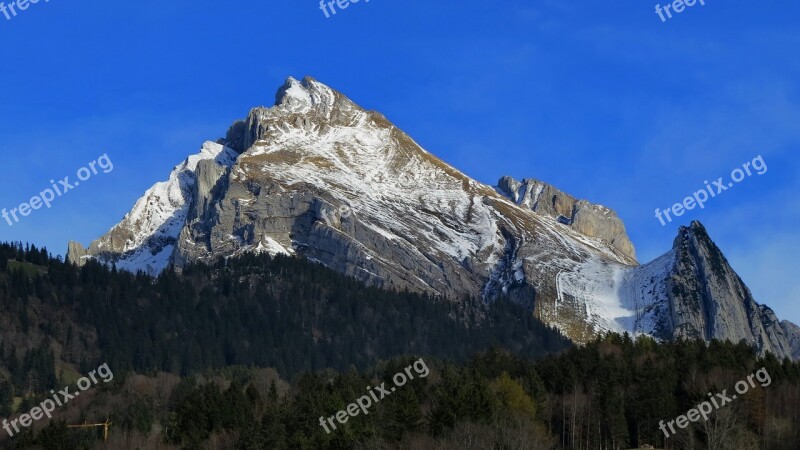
{"points": [[301, 96], [317, 176]]}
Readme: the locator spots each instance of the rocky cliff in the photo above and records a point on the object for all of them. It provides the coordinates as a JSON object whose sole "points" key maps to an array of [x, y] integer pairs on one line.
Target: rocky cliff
{"points": [[792, 333], [585, 217], [707, 299]]}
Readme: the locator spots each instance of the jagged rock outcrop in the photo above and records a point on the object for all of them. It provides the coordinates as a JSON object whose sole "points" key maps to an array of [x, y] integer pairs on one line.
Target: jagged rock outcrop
{"points": [[319, 177], [76, 253], [146, 237], [792, 333], [585, 217], [708, 300]]}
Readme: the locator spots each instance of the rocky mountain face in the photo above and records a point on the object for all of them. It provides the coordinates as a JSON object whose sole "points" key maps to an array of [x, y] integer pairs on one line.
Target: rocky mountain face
{"points": [[146, 237], [792, 333], [317, 176], [587, 218], [707, 299]]}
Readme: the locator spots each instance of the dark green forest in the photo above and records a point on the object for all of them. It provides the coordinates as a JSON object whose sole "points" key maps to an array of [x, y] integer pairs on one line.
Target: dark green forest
{"points": [[249, 353], [282, 312]]}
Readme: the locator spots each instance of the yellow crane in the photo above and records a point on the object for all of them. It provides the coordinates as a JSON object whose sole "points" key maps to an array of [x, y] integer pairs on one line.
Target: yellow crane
{"points": [[105, 426]]}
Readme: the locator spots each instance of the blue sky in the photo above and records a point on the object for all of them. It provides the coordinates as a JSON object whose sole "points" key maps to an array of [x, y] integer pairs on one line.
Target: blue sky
{"points": [[601, 99]]}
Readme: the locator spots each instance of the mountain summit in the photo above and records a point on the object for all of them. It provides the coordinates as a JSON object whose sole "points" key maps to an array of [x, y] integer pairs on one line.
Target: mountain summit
{"points": [[317, 176]]}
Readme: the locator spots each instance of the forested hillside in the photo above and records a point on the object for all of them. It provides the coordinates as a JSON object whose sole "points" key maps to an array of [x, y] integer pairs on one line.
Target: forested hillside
{"points": [[282, 312], [610, 394], [250, 352]]}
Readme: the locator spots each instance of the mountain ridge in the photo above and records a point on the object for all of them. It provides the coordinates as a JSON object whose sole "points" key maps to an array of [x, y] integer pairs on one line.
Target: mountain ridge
{"points": [[420, 224]]}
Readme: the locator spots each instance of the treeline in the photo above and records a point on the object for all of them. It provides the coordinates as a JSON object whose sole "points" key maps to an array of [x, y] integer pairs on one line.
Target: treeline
{"points": [[249, 352], [256, 310], [253, 310], [614, 392], [609, 394]]}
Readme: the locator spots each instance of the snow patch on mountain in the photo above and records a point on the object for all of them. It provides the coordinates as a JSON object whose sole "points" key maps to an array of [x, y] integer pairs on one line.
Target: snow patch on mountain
{"points": [[145, 238], [616, 297]]}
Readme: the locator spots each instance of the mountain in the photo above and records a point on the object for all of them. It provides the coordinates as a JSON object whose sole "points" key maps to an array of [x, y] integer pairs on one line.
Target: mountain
{"points": [[317, 176]]}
